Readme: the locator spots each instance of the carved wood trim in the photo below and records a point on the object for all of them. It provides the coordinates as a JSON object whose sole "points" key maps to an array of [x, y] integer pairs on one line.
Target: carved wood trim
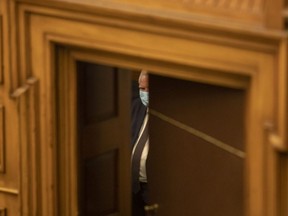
{"points": [[28, 102], [1, 50], [2, 139], [67, 136], [9, 191], [24, 88], [3, 212], [252, 6], [198, 14], [2, 114]]}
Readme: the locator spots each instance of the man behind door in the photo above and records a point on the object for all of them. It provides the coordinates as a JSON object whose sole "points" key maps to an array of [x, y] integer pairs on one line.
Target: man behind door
{"points": [[140, 145]]}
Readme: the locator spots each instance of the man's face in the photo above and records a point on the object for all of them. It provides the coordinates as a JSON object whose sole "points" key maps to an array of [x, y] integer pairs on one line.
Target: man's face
{"points": [[143, 83]]}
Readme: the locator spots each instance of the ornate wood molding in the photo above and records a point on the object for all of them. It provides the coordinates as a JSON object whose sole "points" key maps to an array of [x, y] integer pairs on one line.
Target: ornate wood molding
{"points": [[22, 89], [2, 114], [9, 191], [243, 15], [2, 139], [3, 212], [252, 6], [1, 49]]}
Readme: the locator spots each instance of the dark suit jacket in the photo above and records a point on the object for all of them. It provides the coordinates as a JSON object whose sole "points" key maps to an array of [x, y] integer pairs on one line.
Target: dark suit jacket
{"points": [[137, 114]]}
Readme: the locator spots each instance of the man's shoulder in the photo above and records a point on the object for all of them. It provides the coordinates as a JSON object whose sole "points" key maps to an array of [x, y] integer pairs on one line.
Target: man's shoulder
{"points": [[138, 107]]}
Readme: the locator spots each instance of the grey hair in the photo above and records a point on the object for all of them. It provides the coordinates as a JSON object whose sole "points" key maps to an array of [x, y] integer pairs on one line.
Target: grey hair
{"points": [[143, 73]]}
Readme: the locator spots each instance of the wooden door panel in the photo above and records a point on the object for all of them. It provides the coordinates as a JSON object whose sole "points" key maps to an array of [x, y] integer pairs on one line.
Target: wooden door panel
{"points": [[192, 177], [101, 97], [190, 173], [101, 184], [99, 93], [99, 134], [222, 107]]}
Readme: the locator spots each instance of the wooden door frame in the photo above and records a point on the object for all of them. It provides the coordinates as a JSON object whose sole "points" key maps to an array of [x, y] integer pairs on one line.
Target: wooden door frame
{"points": [[254, 61], [67, 160]]}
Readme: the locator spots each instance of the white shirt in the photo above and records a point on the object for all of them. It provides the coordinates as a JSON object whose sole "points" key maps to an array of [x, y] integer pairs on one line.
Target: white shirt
{"points": [[142, 172]]}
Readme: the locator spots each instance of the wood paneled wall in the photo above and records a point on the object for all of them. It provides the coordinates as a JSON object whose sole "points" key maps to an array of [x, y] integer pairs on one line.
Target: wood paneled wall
{"points": [[239, 44]]}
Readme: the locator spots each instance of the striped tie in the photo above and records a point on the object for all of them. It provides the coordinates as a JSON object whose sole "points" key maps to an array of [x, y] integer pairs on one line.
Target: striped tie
{"points": [[136, 157]]}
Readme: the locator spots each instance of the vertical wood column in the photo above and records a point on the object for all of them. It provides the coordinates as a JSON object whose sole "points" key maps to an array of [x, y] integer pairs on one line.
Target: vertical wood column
{"points": [[9, 130]]}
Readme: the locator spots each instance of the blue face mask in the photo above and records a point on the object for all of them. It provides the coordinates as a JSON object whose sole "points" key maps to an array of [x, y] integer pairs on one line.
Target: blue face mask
{"points": [[144, 97]]}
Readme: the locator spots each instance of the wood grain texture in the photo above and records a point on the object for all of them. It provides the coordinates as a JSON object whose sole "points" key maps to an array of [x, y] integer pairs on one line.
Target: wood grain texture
{"points": [[1, 49], [177, 43], [243, 5], [244, 14], [2, 139], [3, 212], [9, 133]]}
